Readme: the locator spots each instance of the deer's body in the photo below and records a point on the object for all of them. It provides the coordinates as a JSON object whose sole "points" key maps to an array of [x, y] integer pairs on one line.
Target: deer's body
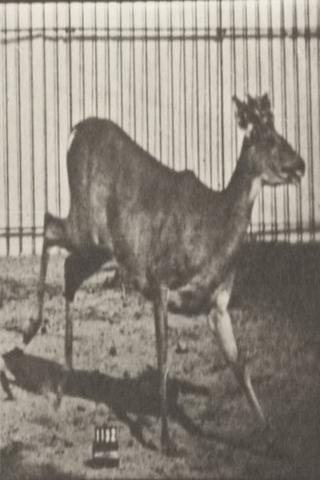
{"points": [[176, 240], [162, 226]]}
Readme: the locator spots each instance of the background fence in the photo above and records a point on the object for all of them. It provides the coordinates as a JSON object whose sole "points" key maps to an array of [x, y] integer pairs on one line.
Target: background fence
{"points": [[165, 72]]}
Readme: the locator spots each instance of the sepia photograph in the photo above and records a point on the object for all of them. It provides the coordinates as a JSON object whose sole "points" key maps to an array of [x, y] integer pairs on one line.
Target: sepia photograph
{"points": [[159, 239]]}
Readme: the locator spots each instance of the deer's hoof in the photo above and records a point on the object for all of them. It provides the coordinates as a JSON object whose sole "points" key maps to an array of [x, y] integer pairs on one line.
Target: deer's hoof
{"points": [[5, 384]]}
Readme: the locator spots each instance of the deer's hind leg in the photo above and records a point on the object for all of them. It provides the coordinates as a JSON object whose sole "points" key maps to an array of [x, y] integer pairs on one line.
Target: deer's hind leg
{"points": [[224, 332], [34, 324], [54, 235], [161, 328]]}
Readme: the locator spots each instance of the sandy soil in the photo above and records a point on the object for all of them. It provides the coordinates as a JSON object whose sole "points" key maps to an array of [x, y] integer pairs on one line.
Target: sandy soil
{"points": [[276, 315]]}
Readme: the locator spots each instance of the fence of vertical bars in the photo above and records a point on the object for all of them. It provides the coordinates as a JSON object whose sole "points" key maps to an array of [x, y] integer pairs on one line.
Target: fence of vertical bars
{"points": [[166, 72]]}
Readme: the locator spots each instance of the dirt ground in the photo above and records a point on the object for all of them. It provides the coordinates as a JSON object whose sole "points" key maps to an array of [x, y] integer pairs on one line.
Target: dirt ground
{"points": [[276, 316]]}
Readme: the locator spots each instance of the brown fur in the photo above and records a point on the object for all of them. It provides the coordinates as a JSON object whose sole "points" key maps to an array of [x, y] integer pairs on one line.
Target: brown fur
{"points": [[174, 239]]}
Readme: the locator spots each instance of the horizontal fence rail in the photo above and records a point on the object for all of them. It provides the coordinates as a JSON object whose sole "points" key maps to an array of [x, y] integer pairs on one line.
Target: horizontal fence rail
{"points": [[165, 72]]}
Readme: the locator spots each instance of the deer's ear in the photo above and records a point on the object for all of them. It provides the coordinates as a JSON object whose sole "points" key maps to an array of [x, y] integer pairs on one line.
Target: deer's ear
{"points": [[237, 101], [242, 113]]}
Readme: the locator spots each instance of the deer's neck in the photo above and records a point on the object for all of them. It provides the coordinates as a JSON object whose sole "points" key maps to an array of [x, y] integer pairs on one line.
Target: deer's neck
{"points": [[239, 197]]}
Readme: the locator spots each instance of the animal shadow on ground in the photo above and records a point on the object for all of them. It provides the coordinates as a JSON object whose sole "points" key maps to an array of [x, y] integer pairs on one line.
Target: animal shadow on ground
{"points": [[270, 276], [280, 276], [13, 465], [124, 396]]}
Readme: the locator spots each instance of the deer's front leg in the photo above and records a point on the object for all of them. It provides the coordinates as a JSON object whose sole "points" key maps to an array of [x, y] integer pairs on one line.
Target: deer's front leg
{"points": [[161, 327], [77, 268], [224, 332], [68, 336], [72, 267], [68, 344]]}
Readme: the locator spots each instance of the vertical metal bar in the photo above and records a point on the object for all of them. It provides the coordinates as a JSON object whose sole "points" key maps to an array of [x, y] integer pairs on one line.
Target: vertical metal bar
{"points": [[258, 47], [245, 63], [167, 96], [93, 65], [197, 85], [69, 67], [192, 101], [82, 65], [120, 57], [159, 80], [95, 46], [205, 96], [105, 49], [233, 145], [130, 86], [45, 132], [19, 129], [296, 103], [180, 102], [318, 50], [57, 115], [284, 115], [172, 89], [274, 223], [155, 87], [6, 134], [134, 72], [33, 173], [146, 72], [108, 60], [218, 98], [312, 226], [245, 46], [185, 89], [221, 95], [209, 60], [142, 83], [261, 219]]}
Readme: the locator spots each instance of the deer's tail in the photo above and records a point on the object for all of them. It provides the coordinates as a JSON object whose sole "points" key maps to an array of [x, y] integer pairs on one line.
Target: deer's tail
{"points": [[55, 233]]}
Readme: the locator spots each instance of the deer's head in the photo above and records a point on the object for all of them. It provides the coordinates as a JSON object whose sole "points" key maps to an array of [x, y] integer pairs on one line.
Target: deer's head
{"points": [[268, 154]]}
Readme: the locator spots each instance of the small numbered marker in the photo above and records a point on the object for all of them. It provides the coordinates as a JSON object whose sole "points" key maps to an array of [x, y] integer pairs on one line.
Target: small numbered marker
{"points": [[105, 450]]}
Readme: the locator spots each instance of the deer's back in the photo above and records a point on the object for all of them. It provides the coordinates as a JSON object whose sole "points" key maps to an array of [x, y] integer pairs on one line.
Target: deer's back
{"points": [[158, 223]]}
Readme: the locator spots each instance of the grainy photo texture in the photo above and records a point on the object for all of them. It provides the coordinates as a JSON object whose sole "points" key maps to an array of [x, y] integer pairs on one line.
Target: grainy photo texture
{"points": [[159, 239]]}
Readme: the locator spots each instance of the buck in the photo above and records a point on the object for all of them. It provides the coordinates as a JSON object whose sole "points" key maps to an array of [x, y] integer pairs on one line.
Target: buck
{"points": [[176, 240]]}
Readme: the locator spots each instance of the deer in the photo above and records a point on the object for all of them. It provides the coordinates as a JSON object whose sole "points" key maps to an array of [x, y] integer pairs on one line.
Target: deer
{"points": [[175, 239]]}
